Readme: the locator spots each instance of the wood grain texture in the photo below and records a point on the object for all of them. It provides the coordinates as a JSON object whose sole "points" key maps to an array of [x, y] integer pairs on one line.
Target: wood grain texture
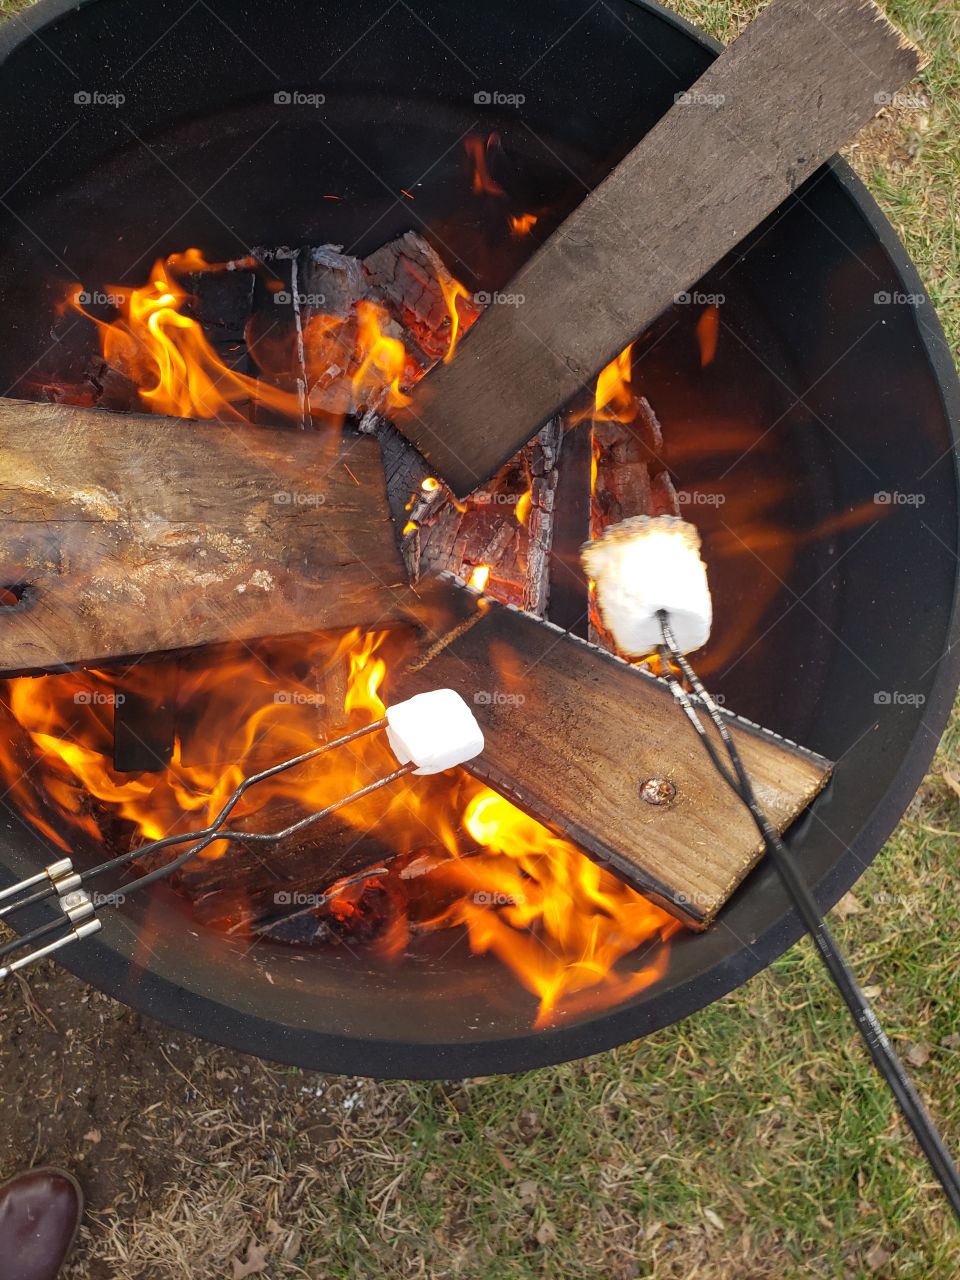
{"points": [[129, 534], [571, 733], [798, 83]]}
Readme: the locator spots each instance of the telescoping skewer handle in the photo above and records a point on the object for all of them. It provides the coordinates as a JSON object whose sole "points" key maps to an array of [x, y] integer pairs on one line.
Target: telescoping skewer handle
{"points": [[874, 1037], [428, 733], [652, 591]]}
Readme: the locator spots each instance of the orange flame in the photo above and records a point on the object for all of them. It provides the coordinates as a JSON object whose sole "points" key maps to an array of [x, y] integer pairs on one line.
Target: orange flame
{"points": [[561, 922], [482, 182], [167, 355], [384, 361], [353, 362], [708, 331], [522, 224], [613, 399], [523, 507], [452, 289]]}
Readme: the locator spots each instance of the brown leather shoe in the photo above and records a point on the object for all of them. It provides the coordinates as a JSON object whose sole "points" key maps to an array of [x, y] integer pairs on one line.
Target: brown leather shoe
{"points": [[39, 1216]]}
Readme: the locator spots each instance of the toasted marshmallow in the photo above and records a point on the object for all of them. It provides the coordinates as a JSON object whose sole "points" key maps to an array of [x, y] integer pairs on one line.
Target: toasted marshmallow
{"points": [[435, 730], [643, 565]]}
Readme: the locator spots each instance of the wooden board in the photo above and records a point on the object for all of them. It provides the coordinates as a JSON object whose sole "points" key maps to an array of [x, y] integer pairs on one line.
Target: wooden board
{"points": [[126, 534], [798, 83], [571, 734]]}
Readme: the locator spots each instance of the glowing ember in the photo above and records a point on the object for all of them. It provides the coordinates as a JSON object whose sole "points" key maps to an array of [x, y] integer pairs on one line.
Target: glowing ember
{"points": [[480, 577], [522, 224], [708, 332], [482, 183]]}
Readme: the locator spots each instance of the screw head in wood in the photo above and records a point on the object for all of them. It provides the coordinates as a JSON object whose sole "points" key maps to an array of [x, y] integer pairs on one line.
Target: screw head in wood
{"points": [[658, 791]]}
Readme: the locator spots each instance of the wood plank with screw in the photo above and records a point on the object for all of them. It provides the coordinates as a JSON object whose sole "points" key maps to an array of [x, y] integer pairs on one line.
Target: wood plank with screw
{"points": [[572, 735]]}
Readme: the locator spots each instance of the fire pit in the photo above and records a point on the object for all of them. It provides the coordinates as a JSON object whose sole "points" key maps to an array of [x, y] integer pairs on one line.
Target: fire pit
{"points": [[811, 432]]}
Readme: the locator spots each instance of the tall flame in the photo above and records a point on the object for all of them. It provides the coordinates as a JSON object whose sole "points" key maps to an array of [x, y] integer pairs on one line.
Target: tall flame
{"points": [[483, 182], [167, 354], [452, 289], [384, 359], [353, 361], [613, 398], [708, 333]]}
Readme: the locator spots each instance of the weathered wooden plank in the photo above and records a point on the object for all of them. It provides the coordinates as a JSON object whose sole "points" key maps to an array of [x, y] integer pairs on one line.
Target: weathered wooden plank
{"points": [[800, 81], [126, 534], [573, 732]]}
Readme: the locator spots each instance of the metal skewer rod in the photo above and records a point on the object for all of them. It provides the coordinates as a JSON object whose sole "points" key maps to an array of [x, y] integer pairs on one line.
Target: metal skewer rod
{"points": [[77, 909], [64, 866], [874, 1037]]}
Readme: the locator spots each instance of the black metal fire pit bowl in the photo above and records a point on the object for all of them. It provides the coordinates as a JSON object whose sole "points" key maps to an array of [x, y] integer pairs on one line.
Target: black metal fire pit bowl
{"points": [[852, 653]]}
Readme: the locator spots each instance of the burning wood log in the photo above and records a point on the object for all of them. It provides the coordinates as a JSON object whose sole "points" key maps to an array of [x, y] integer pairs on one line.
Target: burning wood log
{"points": [[430, 305], [504, 529], [125, 535], [799, 82], [569, 601], [595, 750], [255, 888], [508, 526], [630, 478]]}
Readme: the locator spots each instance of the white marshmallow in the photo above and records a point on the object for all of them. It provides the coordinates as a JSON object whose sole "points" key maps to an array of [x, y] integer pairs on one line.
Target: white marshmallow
{"points": [[437, 730], [643, 565]]}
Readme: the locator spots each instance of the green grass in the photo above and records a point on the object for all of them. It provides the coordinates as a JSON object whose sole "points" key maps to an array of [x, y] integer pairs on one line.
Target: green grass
{"points": [[751, 1141]]}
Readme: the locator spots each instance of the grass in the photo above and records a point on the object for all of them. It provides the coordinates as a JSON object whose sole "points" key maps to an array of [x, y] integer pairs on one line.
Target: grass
{"points": [[751, 1141]]}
